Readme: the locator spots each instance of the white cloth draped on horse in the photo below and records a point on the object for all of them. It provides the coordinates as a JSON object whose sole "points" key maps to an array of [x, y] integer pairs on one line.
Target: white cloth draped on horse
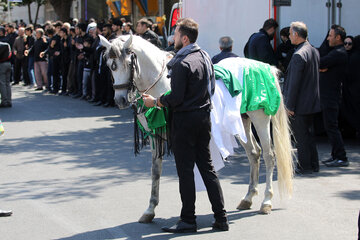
{"points": [[225, 121]]}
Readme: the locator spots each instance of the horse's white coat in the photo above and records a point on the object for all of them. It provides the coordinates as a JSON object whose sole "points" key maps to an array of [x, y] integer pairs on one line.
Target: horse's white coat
{"points": [[150, 63]]}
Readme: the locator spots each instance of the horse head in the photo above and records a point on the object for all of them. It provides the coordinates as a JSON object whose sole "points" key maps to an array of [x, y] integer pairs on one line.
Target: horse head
{"points": [[119, 59]]}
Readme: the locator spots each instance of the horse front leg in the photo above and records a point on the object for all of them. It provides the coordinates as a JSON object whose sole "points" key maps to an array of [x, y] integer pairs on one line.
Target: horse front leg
{"points": [[253, 152], [156, 169]]}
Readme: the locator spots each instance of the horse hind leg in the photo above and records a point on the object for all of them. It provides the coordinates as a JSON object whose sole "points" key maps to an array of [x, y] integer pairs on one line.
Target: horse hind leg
{"points": [[262, 125], [156, 168], [253, 152]]}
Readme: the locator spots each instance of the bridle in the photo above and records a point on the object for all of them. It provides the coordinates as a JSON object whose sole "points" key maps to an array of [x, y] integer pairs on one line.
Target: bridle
{"points": [[131, 86]]}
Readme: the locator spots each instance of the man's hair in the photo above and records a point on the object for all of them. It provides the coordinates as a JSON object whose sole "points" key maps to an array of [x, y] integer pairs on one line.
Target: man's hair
{"points": [[117, 22], [58, 24], [285, 32], [64, 30], [188, 27], [29, 28], [299, 28], [339, 31], [107, 25], [269, 24], [2, 30], [356, 43], [82, 26], [50, 31], [40, 30], [226, 43], [144, 21]]}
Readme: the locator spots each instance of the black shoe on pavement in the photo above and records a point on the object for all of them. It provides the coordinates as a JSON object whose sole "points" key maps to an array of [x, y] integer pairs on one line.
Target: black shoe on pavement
{"points": [[327, 160], [5, 105], [181, 227], [39, 89], [338, 163], [300, 171], [14, 83], [99, 103], [221, 226], [4, 213], [76, 96], [106, 105]]}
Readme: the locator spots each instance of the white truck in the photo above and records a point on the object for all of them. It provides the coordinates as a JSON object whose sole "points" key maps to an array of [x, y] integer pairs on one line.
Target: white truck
{"points": [[240, 18]]}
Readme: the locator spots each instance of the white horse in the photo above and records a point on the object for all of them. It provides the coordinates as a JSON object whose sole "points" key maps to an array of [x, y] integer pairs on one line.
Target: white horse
{"points": [[139, 63]]}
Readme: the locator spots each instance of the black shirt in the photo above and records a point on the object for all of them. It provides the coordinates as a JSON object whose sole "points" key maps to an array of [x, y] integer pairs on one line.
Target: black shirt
{"points": [[224, 54], [189, 87], [39, 46]]}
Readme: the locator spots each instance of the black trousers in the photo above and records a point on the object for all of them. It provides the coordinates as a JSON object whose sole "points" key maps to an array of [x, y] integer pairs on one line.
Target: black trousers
{"points": [[64, 73], [190, 137], [302, 126], [21, 65], [56, 73], [330, 118]]}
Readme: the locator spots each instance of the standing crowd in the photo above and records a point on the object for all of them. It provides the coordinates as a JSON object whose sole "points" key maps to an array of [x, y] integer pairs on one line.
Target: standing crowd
{"points": [[64, 58]]}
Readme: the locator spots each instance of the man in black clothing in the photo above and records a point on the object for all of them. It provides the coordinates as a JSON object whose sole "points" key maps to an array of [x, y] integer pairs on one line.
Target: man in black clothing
{"points": [[302, 97], [226, 44], [259, 47], [192, 83], [143, 29], [285, 50], [65, 46], [55, 54], [333, 68]]}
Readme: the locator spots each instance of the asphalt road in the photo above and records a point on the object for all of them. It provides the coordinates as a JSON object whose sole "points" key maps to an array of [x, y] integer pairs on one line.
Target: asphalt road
{"points": [[67, 171]]}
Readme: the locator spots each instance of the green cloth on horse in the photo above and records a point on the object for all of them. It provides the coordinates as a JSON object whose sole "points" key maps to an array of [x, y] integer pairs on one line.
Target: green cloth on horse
{"points": [[259, 89], [229, 79], [157, 118]]}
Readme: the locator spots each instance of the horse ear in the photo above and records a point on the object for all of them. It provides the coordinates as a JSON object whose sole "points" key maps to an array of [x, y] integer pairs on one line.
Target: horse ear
{"points": [[105, 42], [128, 44]]}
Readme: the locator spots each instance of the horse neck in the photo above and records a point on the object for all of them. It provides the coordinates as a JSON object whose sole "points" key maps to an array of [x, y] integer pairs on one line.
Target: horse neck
{"points": [[151, 61]]}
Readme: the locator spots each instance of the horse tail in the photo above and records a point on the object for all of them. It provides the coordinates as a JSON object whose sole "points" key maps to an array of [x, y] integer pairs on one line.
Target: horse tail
{"points": [[282, 144]]}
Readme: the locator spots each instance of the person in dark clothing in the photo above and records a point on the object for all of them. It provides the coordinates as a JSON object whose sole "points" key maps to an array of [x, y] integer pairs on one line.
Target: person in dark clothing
{"points": [[302, 97], [40, 62], [285, 50], [72, 83], [55, 54], [3, 37], [226, 44], [103, 74], [29, 43], [351, 89], [143, 29], [324, 48], [192, 83], [21, 63], [10, 38], [79, 53], [348, 44], [333, 69], [259, 45], [65, 48]]}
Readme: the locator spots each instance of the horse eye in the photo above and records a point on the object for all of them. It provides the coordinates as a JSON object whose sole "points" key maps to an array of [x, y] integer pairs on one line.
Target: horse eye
{"points": [[113, 66]]}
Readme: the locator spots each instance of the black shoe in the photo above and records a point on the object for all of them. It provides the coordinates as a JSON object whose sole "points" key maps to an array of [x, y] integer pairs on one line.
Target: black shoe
{"points": [[14, 83], [76, 96], [221, 226], [53, 92], [106, 105], [5, 105], [83, 97], [5, 213], [299, 171], [92, 100], [338, 163], [181, 227], [26, 84], [99, 103], [39, 89], [327, 160]]}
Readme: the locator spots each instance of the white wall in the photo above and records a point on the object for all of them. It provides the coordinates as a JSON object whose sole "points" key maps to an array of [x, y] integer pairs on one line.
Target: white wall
{"points": [[235, 18], [18, 13], [350, 16]]}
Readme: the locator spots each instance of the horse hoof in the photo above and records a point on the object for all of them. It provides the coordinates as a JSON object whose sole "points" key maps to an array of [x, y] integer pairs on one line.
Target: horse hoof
{"points": [[146, 218], [244, 205], [265, 209]]}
